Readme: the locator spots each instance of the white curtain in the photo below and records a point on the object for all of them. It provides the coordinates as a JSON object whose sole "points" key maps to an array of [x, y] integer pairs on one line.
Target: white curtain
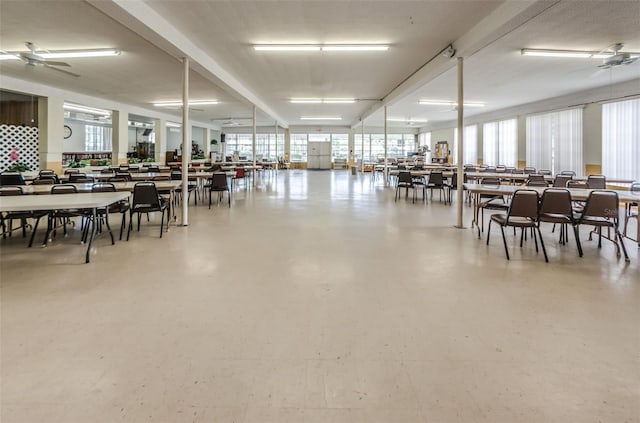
{"points": [[554, 141], [539, 141], [490, 143], [508, 142], [470, 151], [621, 140], [568, 143]]}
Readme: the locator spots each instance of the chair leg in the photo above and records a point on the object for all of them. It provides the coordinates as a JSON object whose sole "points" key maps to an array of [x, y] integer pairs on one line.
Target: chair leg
{"points": [[544, 250], [106, 222], [124, 215], [488, 232], [130, 224], [162, 221], [624, 249], [33, 234], [576, 233], [504, 241]]}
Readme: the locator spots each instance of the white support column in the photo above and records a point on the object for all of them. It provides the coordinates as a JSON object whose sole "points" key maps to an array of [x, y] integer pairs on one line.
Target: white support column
{"points": [[50, 133], [161, 140], [276, 128], [207, 143], [186, 141], [362, 161], [459, 192], [386, 169], [253, 138], [287, 145], [120, 136]]}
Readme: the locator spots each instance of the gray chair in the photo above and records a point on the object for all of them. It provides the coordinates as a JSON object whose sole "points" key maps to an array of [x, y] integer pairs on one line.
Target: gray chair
{"points": [[629, 212]]}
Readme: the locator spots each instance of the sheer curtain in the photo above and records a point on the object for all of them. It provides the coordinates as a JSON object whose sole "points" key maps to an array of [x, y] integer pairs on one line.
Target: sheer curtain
{"points": [[621, 139], [508, 142], [554, 141], [490, 143], [470, 151], [539, 141], [567, 145]]}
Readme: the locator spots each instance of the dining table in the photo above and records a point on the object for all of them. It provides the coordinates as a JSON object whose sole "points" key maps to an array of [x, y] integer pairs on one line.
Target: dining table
{"points": [[89, 201]]}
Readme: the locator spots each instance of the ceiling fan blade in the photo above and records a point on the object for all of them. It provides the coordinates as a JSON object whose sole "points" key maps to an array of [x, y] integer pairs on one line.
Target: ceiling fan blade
{"points": [[46, 65], [53, 63]]}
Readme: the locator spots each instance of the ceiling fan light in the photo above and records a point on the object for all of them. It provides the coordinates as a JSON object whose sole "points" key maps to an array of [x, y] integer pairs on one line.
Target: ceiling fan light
{"points": [[73, 54]]}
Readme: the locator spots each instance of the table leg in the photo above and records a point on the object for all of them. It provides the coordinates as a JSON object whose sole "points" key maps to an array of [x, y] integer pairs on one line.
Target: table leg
{"points": [[94, 213]]}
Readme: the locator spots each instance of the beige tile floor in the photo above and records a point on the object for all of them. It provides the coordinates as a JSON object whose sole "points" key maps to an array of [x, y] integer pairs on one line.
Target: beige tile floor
{"points": [[316, 298]]}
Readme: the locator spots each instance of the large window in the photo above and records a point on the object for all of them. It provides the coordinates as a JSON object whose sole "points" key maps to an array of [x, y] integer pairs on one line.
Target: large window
{"points": [[266, 146], [621, 139], [500, 143], [298, 148], [97, 138], [470, 140], [362, 149], [339, 146], [554, 141]]}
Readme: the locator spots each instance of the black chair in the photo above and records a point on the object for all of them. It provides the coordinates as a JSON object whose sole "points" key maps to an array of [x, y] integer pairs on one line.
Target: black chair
{"points": [[556, 208], [561, 180], [21, 215], [568, 173], [64, 216], [629, 213], [601, 210], [147, 200], [597, 181], [43, 180], [177, 176], [218, 183], [537, 178], [523, 214], [121, 207], [436, 181], [529, 170], [451, 185], [490, 202], [73, 177], [11, 179], [405, 181]]}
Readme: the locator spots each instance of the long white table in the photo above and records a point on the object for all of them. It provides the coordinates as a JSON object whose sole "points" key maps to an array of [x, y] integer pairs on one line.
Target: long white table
{"points": [[92, 201]]}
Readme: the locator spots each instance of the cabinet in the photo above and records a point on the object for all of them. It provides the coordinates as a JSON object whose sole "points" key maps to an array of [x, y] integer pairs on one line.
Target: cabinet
{"points": [[70, 156]]}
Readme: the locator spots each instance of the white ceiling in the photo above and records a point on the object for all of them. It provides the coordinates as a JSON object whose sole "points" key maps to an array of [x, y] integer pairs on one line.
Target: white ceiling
{"points": [[224, 30]]}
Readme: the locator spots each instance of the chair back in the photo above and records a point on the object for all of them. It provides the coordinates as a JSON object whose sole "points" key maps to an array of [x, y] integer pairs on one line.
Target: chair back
{"points": [[11, 179], [405, 177], [568, 173], [491, 169], [603, 204], [536, 177], [509, 169], [561, 180], [537, 183], [176, 175], [49, 172], [107, 170], [10, 191], [524, 203], [67, 171], [635, 187], [124, 175], [103, 187], [116, 179], [454, 180], [529, 170], [85, 180], [162, 178], [556, 201], [490, 181], [64, 189], [154, 169], [544, 172], [577, 184], [501, 169], [145, 194], [74, 176], [219, 181], [240, 172], [597, 181], [43, 180], [436, 178]]}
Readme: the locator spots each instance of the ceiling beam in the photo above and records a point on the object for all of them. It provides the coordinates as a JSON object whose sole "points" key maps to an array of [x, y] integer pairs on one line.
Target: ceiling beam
{"points": [[504, 19], [149, 24]]}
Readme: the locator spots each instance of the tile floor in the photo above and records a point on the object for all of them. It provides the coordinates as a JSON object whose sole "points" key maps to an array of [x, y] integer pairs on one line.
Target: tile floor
{"points": [[316, 298]]}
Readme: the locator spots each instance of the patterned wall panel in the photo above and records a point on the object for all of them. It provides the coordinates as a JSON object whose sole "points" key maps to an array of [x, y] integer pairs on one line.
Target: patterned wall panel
{"points": [[24, 139]]}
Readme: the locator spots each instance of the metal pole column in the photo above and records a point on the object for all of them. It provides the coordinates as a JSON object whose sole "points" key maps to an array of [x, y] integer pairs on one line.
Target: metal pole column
{"points": [[386, 169], [460, 190], [253, 143], [186, 145], [276, 163]]}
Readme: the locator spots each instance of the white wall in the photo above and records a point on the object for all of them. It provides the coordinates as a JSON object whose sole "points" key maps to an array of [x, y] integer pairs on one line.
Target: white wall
{"points": [[592, 134]]}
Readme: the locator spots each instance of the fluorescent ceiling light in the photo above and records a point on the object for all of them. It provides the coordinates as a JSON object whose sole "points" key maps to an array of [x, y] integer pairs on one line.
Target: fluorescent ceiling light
{"points": [[85, 109], [72, 54], [571, 53], [173, 125], [323, 100], [320, 118], [5, 56], [450, 103], [318, 47], [407, 120], [179, 103]]}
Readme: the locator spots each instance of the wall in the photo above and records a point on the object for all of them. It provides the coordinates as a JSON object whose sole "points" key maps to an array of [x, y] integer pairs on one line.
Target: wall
{"points": [[174, 139], [592, 135]]}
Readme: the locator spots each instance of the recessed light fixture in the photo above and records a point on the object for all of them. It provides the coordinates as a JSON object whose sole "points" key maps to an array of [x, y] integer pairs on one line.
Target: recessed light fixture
{"points": [[85, 109], [5, 56], [320, 118], [450, 103], [323, 100], [320, 47], [173, 125], [179, 103]]}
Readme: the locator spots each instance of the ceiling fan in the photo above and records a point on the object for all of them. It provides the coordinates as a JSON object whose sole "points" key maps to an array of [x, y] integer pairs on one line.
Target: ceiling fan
{"points": [[34, 57], [618, 58]]}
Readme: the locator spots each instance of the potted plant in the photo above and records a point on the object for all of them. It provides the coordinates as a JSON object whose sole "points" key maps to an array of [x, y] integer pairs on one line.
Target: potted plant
{"points": [[18, 167]]}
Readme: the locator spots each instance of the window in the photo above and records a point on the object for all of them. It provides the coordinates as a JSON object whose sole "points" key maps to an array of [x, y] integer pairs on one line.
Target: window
{"points": [[470, 150], [339, 146], [377, 147], [554, 141], [409, 144], [621, 139], [97, 138], [298, 148], [500, 143], [362, 149]]}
